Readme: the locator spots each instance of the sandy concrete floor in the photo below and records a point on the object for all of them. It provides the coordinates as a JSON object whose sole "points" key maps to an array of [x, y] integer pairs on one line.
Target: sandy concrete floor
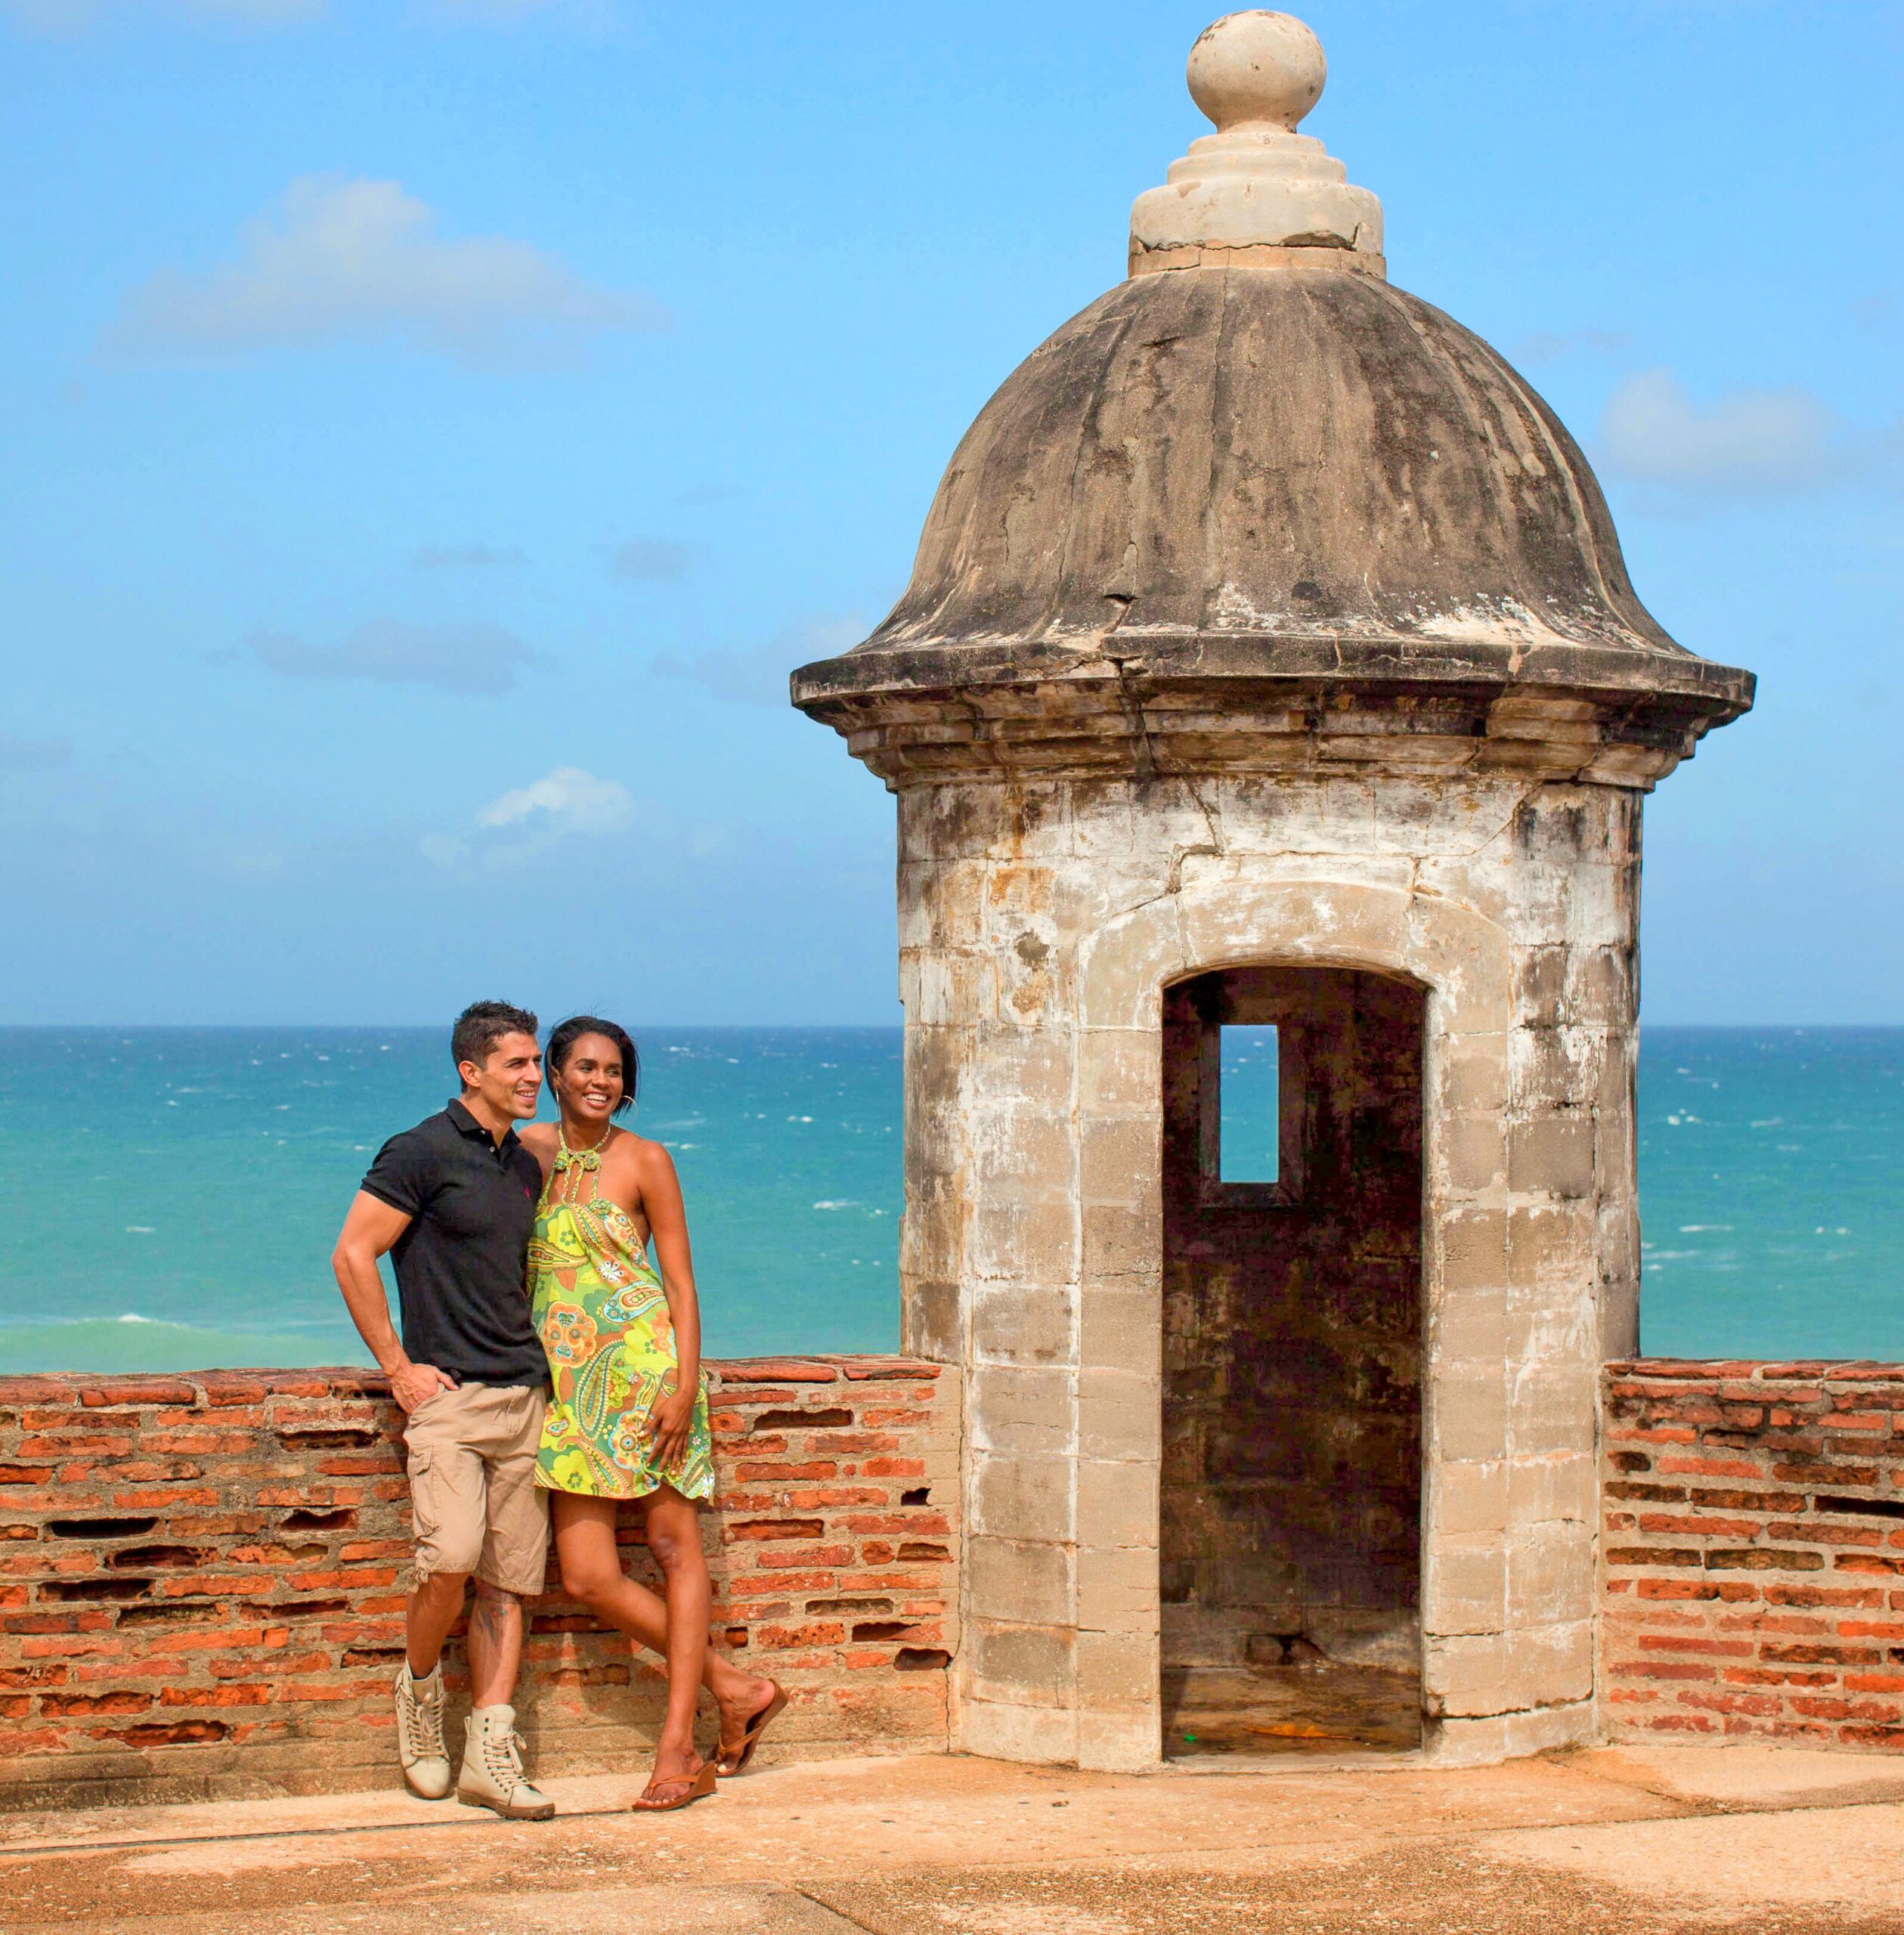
{"points": [[1289, 1709], [1617, 1842]]}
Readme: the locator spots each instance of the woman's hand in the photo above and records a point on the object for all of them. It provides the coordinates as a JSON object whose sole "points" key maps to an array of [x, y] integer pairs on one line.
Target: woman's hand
{"points": [[668, 1424]]}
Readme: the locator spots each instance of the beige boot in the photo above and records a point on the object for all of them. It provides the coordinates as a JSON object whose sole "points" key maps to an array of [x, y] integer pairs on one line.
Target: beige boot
{"points": [[492, 1768], [420, 1732]]}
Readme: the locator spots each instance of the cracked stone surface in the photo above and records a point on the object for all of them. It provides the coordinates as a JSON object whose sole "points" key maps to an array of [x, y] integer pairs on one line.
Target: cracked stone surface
{"points": [[1653, 1841]]}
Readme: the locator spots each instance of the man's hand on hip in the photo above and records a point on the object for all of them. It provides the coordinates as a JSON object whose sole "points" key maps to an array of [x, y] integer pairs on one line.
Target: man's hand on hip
{"points": [[413, 1385]]}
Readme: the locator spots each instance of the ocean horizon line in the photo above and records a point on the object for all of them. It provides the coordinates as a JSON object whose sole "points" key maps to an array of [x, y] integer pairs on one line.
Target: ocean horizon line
{"points": [[794, 1027]]}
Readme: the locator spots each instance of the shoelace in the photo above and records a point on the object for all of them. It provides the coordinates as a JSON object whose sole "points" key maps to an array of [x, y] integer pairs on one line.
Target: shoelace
{"points": [[423, 1721], [502, 1755]]}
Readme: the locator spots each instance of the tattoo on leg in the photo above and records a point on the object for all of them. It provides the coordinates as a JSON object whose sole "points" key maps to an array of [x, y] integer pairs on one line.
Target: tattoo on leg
{"points": [[491, 1614]]}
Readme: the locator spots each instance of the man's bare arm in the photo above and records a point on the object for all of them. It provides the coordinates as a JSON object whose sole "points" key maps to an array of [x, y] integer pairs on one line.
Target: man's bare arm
{"points": [[370, 1229]]}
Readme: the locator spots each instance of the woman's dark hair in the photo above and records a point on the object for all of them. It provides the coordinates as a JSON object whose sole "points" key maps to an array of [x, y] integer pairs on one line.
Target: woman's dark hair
{"points": [[565, 1035]]}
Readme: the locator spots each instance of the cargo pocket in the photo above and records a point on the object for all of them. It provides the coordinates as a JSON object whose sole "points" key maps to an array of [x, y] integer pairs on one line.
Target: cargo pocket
{"points": [[425, 1515]]}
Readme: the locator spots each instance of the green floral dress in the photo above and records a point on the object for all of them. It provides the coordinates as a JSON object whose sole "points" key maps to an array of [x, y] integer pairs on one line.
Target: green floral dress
{"points": [[600, 1311]]}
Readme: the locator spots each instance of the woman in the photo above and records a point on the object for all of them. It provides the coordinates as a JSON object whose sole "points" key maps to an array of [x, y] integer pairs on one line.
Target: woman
{"points": [[629, 1415]]}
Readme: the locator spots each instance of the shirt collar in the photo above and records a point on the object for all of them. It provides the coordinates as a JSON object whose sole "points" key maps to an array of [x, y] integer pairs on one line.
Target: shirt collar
{"points": [[466, 1124]]}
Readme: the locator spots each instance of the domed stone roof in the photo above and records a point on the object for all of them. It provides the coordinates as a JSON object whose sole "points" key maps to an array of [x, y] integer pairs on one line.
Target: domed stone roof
{"points": [[1255, 460]]}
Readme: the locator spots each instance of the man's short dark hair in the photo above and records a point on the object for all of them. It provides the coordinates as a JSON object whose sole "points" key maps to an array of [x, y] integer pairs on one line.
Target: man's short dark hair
{"points": [[482, 1024]]}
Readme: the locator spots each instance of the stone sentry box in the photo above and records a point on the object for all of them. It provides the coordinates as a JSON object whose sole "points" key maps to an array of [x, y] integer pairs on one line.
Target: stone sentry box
{"points": [[1266, 620]]}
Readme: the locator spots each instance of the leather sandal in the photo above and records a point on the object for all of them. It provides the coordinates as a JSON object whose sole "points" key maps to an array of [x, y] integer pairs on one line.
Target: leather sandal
{"points": [[699, 1785], [757, 1725]]}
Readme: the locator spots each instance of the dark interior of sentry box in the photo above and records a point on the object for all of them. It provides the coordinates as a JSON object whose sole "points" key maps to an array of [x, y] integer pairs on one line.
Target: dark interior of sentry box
{"points": [[1291, 1428]]}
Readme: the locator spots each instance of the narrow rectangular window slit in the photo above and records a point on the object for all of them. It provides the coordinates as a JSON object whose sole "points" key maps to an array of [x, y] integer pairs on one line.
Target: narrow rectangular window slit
{"points": [[1248, 1091]]}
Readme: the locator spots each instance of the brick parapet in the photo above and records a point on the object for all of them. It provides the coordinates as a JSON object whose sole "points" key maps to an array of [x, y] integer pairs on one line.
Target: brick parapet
{"points": [[202, 1579], [1752, 1552]]}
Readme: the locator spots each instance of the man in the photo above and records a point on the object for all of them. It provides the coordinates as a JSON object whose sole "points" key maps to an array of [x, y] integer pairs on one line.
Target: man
{"points": [[453, 1200]]}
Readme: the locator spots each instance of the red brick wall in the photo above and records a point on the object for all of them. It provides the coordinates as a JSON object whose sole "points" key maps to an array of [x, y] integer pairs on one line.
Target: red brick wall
{"points": [[202, 1579], [1752, 1553]]}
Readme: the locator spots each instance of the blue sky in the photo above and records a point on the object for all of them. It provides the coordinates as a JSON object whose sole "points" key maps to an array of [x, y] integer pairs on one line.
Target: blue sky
{"points": [[434, 429]]}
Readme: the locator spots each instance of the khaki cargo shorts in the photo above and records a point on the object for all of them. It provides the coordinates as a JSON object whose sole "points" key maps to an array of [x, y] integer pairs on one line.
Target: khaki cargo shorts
{"points": [[473, 1489]]}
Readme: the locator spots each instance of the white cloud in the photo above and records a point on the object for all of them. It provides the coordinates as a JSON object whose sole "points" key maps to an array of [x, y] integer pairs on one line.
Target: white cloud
{"points": [[479, 658], [570, 797], [344, 260], [1745, 443], [642, 558], [756, 674], [519, 826]]}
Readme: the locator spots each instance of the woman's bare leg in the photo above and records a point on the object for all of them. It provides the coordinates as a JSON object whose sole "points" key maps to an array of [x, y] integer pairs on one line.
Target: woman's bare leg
{"points": [[674, 1538], [592, 1574]]}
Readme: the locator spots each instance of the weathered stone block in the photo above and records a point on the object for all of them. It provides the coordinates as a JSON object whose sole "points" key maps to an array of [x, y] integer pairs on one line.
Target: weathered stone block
{"points": [[1469, 1497], [1118, 1071], [932, 1237], [1122, 971], [1472, 1677], [1550, 1578], [931, 1322], [1119, 1161], [1019, 1409], [1120, 1414], [1463, 1742], [1122, 1741], [1021, 1581], [1340, 921], [1552, 1069], [1023, 1324], [1552, 1407], [1472, 1152], [1116, 1504], [1101, 828], [1467, 1409], [1033, 1064], [953, 892], [1464, 1586], [1470, 1249], [1117, 1589], [1540, 975], [1122, 1241], [1550, 1247], [1022, 1497], [1003, 1730], [1021, 1233], [1021, 1146], [1415, 817], [1470, 1323], [1119, 1329], [1116, 1669], [1600, 991], [1029, 1665], [1562, 1485], [1467, 1075], [1552, 1154]]}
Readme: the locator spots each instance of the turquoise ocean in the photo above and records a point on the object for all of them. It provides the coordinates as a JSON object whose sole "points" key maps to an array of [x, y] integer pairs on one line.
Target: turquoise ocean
{"points": [[169, 1196]]}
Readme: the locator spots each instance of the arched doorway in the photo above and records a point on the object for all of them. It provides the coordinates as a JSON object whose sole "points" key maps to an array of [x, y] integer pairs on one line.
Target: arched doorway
{"points": [[1291, 1482]]}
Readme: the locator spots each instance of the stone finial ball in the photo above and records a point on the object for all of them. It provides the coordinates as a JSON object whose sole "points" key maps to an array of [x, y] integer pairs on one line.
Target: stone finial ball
{"points": [[1257, 67]]}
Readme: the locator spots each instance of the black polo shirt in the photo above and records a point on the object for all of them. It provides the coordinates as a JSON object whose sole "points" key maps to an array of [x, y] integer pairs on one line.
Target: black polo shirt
{"points": [[462, 1264]]}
